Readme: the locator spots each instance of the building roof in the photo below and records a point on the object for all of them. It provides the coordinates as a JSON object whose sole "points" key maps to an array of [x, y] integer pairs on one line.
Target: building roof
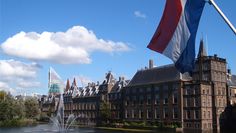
{"points": [[155, 75], [232, 81], [119, 85]]}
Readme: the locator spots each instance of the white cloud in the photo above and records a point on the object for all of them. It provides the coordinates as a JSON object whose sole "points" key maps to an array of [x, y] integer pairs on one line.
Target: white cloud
{"points": [[27, 84], [139, 14], [5, 87], [84, 80], [17, 74], [17, 69], [71, 47]]}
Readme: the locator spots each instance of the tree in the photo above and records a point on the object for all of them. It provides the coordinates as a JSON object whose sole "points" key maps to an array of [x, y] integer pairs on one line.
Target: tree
{"points": [[31, 108], [7, 104], [20, 108], [105, 112], [2, 95]]}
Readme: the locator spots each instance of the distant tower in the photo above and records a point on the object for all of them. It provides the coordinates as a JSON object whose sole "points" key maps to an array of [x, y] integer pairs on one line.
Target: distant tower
{"points": [[74, 82], [55, 83], [67, 85]]}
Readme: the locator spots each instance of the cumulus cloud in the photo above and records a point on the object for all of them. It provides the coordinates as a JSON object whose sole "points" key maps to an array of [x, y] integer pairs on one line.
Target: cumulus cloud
{"points": [[27, 84], [139, 14], [71, 47], [17, 74], [17, 69]]}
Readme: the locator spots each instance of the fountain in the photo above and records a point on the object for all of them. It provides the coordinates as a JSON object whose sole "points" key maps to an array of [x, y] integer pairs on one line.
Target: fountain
{"points": [[59, 120], [56, 86]]}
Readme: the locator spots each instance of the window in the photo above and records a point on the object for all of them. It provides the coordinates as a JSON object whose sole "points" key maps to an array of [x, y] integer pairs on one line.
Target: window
{"points": [[141, 90], [133, 90], [132, 113], [157, 89], [148, 99], [165, 112], [148, 89], [157, 113], [165, 88], [209, 114], [196, 114], [175, 98], [165, 100], [188, 114], [175, 112], [126, 114], [140, 114], [116, 96], [140, 100], [134, 100], [209, 125], [219, 102], [208, 102], [196, 103], [157, 99], [197, 125], [148, 113], [223, 91], [187, 102], [188, 91], [127, 91], [203, 102]]}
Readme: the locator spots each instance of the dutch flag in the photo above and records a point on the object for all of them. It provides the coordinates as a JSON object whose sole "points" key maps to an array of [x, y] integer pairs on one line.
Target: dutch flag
{"points": [[176, 33]]}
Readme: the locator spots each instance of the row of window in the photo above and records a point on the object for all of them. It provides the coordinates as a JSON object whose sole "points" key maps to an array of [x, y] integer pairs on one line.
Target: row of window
{"points": [[206, 90], [80, 106], [140, 100], [114, 96], [197, 125], [165, 88], [196, 114], [156, 114], [83, 114]]}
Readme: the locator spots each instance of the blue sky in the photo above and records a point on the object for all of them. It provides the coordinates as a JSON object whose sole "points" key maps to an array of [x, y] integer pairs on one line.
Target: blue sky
{"points": [[118, 29]]}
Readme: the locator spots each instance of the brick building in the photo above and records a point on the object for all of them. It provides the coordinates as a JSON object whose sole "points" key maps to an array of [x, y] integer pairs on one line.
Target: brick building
{"points": [[159, 95]]}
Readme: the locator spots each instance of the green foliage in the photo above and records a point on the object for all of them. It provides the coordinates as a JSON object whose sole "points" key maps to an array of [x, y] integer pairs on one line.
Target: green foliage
{"points": [[105, 112], [31, 108], [9, 107], [14, 111]]}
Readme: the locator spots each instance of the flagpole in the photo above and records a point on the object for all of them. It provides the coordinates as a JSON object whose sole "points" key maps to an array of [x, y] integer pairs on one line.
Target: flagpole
{"points": [[212, 2]]}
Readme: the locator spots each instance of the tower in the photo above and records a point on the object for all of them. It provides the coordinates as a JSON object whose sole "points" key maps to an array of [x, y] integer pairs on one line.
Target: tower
{"points": [[210, 79]]}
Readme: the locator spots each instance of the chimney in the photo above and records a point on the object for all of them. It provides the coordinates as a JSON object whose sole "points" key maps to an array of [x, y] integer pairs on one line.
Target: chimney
{"points": [[150, 64], [229, 71]]}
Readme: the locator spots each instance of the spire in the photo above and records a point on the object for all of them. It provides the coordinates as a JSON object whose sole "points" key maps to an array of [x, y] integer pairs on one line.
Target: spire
{"points": [[67, 85], [74, 82], [202, 50]]}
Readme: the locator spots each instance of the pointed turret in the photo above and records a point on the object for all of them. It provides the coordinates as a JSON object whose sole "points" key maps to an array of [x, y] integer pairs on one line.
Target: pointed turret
{"points": [[74, 82], [67, 85], [202, 50]]}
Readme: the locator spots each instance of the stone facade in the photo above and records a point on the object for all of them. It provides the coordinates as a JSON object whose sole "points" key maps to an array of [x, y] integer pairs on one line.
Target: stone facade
{"points": [[159, 95]]}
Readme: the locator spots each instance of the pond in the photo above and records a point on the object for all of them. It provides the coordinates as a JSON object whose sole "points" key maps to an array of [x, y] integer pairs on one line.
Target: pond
{"points": [[48, 128]]}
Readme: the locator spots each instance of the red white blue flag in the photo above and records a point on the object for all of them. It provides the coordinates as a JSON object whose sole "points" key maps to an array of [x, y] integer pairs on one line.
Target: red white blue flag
{"points": [[176, 33]]}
